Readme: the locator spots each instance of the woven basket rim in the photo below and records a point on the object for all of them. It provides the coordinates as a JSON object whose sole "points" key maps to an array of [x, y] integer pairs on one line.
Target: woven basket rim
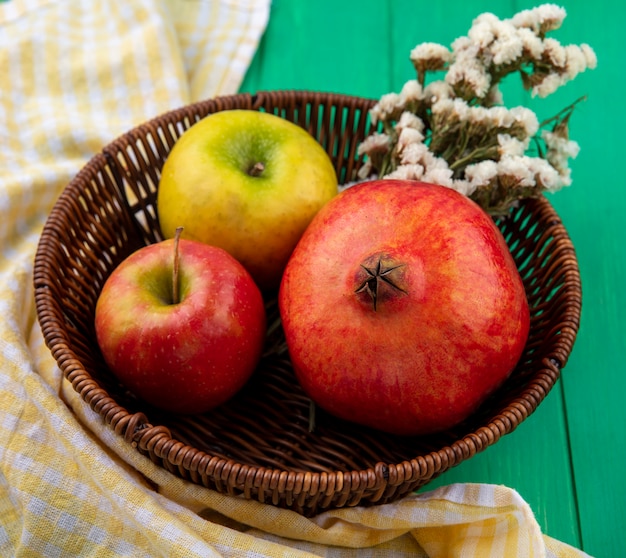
{"points": [[157, 439]]}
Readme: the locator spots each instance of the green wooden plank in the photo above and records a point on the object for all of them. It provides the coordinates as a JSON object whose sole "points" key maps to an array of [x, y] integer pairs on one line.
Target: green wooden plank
{"points": [[323, 46], [595, 379]]}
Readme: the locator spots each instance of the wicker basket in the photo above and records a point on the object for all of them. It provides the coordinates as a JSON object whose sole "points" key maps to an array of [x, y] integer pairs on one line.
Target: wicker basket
{"points": [[259, 445]]}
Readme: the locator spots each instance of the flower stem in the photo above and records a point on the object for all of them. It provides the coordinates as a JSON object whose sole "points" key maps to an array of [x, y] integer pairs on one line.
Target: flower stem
{"points": [[478, 154], [563, 114]]}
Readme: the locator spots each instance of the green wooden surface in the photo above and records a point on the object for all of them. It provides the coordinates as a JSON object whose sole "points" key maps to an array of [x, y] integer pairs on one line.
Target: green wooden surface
{"points": [[567, 459]]}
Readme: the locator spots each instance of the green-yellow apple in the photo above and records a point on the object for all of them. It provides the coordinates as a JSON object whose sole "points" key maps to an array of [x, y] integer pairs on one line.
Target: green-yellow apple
{"points": [[181, 324], [249, 182], [402, 307]]}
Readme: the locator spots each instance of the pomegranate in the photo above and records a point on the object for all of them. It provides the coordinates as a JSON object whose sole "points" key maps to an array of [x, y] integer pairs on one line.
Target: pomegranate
{"points": [[402, 307]]}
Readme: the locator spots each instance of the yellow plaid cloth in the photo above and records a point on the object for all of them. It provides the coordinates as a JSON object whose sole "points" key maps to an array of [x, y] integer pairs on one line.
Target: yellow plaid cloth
{"points": [[73, 77]]}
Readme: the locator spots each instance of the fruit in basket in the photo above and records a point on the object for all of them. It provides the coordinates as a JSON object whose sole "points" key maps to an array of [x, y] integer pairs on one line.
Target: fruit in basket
{"points": [[181, 324], [249, 182], [402, 307]]}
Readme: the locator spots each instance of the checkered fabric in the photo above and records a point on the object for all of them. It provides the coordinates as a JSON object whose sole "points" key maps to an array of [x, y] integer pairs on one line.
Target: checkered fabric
{"points": [[73, 76]]}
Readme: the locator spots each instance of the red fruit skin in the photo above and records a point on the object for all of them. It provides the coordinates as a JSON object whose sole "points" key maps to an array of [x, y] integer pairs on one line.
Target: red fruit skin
{"points": [[187, 357], [426, 358]]}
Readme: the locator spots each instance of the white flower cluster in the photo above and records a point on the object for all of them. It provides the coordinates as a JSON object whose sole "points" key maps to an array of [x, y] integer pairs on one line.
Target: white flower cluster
{"points": [[493, 47], [392, 105], [456, 132]]}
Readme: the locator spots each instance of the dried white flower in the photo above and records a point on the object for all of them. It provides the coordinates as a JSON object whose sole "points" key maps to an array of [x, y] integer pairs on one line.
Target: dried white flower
{"points": [[482, 173], [590, 56], [560, 150], [462, 44], [438, 174], [413, 154], [452, 109], [407, 172], [518, 169], [385, 107], [433, 162], [365, 171], [509, 145], [478, 115], [409, 136], [376, 142], [436, 91], [508, 45], [548, 85], [410, 120], [565, 180], [482, 32], [463, 187], [532, 44], [556, 142], [541, 19], [576, 61], [527, 119], [411, 91], [430, 56], [468, 75], [546, 176], [554, 53], [501, 117], [461, 110]]}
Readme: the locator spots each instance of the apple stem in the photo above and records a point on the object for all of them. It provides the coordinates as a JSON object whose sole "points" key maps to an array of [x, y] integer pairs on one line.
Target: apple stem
{"points": [[175, 272], [256, 169]]}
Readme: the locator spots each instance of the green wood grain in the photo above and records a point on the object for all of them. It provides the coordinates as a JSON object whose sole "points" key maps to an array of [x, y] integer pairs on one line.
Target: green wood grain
{"points": [[567, 459], [326, 45], [594, 381]]}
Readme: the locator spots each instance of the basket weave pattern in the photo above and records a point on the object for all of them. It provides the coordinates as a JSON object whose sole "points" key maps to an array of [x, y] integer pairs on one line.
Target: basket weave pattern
{"points": [[259, 445]]}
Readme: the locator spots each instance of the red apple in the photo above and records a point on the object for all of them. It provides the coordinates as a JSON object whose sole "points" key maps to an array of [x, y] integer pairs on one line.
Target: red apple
{"points": [[402, 307], [188, 352]]}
